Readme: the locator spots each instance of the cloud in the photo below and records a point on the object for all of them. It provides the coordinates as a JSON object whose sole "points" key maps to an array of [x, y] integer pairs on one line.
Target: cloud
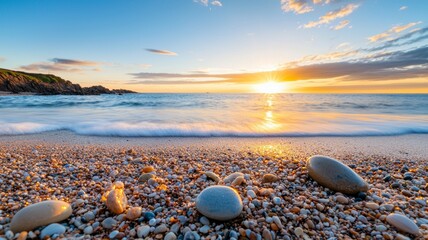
{"points": [[206, 2], [391, 31], [296, 6], [74, 62], [341, 25], [391, 66], [403, 8], [216, 3], [2, 59], [333, 15], [409, 38], [63, 65], [161, 52]]}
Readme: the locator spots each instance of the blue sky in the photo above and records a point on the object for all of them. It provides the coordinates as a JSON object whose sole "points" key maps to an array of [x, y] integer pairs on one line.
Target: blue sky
{"points": [[106, 41]]}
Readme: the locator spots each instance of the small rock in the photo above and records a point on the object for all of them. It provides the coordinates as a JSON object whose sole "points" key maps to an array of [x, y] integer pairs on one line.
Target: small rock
{"points": [[133, 213], [342, 200], [161, 229], [148, 169], [52, 229], [143, 231], [213, 176], [145, 177], [232, 177], [170, 236], [88, 230], [116, 201], [238, 181], [269, 178], [108, 223], [204, 229], [372, 205]]}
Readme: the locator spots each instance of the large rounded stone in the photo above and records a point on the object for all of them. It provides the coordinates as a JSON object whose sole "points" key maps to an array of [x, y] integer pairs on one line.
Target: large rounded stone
{"points": [[219, 203], [403, 223], [335, 175], [40, 214]]}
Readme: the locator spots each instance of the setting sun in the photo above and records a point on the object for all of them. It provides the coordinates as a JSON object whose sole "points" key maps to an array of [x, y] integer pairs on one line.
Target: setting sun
{"points": [[270, 87]]}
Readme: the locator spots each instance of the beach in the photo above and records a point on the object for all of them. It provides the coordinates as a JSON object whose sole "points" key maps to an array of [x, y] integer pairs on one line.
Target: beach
{"points": [[79, 170]]}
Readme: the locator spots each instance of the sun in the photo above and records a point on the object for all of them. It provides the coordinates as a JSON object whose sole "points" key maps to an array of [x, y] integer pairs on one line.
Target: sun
{"points": [[270, 87]]}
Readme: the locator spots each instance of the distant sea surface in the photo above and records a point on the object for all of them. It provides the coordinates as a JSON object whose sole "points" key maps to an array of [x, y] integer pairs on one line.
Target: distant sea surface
{"points": [[246, 115]]}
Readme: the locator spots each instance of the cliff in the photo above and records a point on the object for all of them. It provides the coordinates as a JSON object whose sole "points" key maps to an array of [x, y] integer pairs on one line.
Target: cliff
{"points": [[47, 84]]}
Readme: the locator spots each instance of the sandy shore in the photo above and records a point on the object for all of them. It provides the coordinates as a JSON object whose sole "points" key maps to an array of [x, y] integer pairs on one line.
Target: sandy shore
{"points": [[80, 169]]}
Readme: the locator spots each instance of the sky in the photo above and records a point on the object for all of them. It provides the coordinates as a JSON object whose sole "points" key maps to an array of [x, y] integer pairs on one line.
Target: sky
{"points": [[297, 46]]}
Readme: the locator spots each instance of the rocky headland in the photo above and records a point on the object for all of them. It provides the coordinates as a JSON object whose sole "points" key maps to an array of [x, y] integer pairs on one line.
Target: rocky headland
{"points": [[16, 82]]}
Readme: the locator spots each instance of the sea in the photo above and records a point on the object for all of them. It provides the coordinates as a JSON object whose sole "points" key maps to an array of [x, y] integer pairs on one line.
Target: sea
{"points": [[217, 115]]}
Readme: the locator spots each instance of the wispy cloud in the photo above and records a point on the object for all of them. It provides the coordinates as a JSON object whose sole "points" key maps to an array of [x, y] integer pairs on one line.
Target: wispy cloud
{"points": [[296, 6], [216, 3], [341, 25], [206, 2], [403, 8], [74, 62], [161, 52], [333, 15], [63, 65], [391, 31], [392, 66], [412, 37]]}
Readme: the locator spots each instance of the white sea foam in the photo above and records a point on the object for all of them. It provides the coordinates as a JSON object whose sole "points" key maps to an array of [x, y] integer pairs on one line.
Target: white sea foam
{"points": [[203, 115]]}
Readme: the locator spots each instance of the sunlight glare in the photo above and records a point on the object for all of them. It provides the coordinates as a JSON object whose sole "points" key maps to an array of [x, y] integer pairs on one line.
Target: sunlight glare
{"points": [[269, 87]]}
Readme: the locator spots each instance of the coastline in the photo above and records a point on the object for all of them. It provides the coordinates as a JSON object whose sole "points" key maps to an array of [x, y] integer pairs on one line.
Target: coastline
{"points": [[408, 146], [80, 169]]}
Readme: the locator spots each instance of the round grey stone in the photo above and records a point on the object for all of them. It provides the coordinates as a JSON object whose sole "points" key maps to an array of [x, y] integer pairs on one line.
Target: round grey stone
{"points": [[219, 203]]}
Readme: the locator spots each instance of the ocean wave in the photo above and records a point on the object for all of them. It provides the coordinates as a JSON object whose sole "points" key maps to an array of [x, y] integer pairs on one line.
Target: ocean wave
{"points": [[123, 129]]}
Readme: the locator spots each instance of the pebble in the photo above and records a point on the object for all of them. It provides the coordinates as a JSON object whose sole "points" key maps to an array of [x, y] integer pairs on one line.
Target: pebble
{"points": [[372, 205], [403, 223], [113, 234], [52, 229], [145, 177], [88, 230], [40, 214], [161, 229], [232, 177], [116, 201], [277, 200], [133, 213], [204, 220], [251, 194], [148, 169], [344, 179], [143, 231], [204, 229], [213, 176], [170, 236], [89, 216], [219, 203], [108, 223], [342, 200], [148, 216], [269, 178], [238, 181]]}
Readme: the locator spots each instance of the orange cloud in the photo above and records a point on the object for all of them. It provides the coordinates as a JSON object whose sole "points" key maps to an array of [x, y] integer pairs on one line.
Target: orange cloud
{"points": [[391, 31], [330, 16]]}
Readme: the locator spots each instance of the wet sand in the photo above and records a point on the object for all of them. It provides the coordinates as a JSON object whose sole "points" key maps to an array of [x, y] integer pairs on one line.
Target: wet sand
{"points": [[80, 169]]}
